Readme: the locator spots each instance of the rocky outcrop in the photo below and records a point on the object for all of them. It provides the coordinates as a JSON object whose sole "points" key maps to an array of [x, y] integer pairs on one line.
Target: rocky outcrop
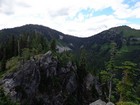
{"points": [[100, 102], [110, 103], [23, 83], [45, 81]]}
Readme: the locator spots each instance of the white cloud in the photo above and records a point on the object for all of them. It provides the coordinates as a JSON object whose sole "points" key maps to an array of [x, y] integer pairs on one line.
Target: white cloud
{"points": [[65, 16], [6, 7], [124, 11], [136, 10], [136, 26]]}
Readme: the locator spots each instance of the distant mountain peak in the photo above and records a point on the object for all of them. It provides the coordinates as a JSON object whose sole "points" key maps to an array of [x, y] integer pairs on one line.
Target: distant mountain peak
{"points": [[123, 27]]}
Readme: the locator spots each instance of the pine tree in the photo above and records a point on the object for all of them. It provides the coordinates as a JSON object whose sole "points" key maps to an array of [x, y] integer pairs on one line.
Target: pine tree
{"points": [[3, 64], [126, 85], [53, 46], [28, 41], [111, 67], [3, 61], [19, 49], [81, 72], [108, 75]]}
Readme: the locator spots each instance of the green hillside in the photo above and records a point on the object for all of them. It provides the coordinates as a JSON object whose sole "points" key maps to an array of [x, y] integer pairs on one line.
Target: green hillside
{"points": [[112, 57]]}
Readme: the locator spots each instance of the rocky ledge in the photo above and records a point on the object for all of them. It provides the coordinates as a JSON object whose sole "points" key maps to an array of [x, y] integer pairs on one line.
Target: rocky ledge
{"points": [[45, 81]]}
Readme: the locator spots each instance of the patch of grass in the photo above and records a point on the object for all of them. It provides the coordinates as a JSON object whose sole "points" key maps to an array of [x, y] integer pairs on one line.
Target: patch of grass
{"points": [[11, 66]]}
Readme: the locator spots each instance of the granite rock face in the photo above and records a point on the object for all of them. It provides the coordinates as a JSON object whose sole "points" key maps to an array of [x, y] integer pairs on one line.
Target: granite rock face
{"points": [[44, 81], [98, 102], [110, 103]]}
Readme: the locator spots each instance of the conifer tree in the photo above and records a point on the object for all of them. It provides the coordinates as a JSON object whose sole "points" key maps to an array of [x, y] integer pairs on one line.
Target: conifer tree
{"points": [[108, 75], [53, 45], [81, 72], [126, 85], [19, 49], [111, 67], [3, 61]]}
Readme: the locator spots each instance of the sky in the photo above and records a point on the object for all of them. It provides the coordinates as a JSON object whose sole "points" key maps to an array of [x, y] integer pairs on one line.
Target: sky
{"points": [[80, 18]]}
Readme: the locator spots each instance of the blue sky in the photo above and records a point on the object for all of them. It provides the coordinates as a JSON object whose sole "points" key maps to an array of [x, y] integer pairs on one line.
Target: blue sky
{"points": [[81, 18]]}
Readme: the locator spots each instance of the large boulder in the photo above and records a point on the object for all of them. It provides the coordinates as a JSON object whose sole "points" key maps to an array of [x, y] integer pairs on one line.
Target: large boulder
{"points": [[98, 102], [89, 80], [110, 103]]}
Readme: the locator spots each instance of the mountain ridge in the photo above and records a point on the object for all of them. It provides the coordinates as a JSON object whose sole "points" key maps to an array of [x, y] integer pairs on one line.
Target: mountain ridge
{"points": [[124, 36], [52, 33], [37, 25]]}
